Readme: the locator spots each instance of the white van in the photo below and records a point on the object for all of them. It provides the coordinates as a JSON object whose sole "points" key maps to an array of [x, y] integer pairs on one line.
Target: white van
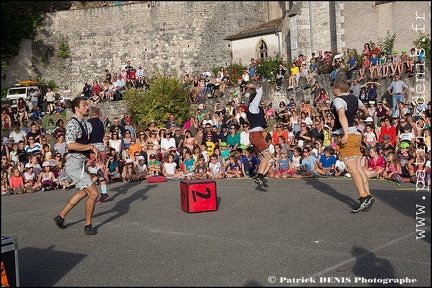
{"points": [[15, 93]]}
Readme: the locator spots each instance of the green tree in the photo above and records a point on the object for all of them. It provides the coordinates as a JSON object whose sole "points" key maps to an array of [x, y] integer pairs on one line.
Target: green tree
{"points": [[387, 44], [166, 96], [15, 28]]}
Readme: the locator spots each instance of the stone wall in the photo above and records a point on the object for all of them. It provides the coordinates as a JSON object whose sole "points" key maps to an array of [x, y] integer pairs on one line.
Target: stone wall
{"points": [[171, 37]]}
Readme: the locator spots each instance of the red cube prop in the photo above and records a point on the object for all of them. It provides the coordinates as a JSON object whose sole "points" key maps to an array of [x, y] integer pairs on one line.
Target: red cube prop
{"points": [[198, 195]]}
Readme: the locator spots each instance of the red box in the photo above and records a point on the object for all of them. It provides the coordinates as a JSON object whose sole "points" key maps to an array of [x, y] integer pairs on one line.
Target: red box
{"points": [[198, 195]]}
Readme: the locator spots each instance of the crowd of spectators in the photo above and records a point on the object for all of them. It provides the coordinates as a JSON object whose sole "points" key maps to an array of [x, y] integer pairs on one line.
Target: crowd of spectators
{"points": [[214, 142]]}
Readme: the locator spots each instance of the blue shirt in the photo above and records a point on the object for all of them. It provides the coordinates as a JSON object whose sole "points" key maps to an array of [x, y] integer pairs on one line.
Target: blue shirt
{"points": [[309, 164], [327, 163]]}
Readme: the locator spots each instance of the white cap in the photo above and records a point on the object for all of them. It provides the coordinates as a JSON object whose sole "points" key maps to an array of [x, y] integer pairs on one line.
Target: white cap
{"points": [[129, 161], [369, 119], [28, 165]]}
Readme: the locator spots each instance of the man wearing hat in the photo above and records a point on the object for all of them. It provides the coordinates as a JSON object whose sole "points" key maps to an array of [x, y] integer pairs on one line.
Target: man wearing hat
{"points": [[406, 135], [168, 142], [386, 146]]}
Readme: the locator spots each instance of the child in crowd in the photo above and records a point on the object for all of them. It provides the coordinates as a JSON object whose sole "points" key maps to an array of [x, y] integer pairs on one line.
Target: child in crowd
{"points": [[296, 160], [283, 166], [16, 182], [130, 172], [340, 168], [47, 178], [200, 169], [170, 169], [233, 168], [112, 168], [215, 169], [369, 136], [393, 169], [30, 183], [154, 166], [189, 165], [326, 163], [141, 167]]}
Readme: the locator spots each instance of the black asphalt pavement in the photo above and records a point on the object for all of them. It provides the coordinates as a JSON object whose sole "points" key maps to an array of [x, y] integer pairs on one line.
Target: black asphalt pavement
{"points": [[295, 233]]}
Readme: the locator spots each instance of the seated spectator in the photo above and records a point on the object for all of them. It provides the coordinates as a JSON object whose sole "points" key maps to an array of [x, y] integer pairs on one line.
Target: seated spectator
{"points": [[327, 162], [141, 165], [130, 172], [200, 169], [283, 166], [47, 177], [154, 166], [294, 77], [308, 165], [112, 168], [337, 66], [16, 182], [215, 168], [30, 180], [340, 168], [393, 169], [188, 165], [233, 169], [365, 67], [375, 165], [170, 168]]}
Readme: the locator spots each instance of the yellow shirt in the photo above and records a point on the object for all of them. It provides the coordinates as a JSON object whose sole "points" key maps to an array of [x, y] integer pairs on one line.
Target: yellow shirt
{"points": [[210, 147], [294, 71], [326, 141]]}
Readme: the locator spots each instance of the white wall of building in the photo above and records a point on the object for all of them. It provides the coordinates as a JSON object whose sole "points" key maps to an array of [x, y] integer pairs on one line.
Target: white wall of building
{"points": [[245, 49]]}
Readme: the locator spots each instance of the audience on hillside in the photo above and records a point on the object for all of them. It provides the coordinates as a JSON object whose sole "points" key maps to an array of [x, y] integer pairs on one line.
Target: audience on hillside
{"points": [[213, 143]]}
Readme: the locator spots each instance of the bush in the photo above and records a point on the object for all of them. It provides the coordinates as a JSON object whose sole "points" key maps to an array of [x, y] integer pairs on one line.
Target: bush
{"points": [[235, 71], [424, 42], [267, 67], [387, 44], [165, 96]]}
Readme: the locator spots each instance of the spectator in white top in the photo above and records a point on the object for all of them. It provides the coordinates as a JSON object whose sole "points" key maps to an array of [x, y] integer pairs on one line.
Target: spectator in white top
{"points": [[244, 136], [18, 134]]}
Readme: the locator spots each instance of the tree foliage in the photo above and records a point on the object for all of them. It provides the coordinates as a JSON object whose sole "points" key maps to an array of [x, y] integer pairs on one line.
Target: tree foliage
{"points": [[15, 28], [387, 44], [424, 42], [267, 66], [166, 96]]}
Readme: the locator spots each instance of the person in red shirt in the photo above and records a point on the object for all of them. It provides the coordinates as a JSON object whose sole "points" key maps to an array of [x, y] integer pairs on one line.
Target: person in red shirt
{"points": [[388, 129]]}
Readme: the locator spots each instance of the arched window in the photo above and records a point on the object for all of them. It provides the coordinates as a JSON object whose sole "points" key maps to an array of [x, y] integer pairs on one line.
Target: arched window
{"points": [[263, 50]]}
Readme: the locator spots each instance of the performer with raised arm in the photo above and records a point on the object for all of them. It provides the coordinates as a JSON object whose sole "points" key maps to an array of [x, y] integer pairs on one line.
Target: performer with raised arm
{"points": [[256, 117]]}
